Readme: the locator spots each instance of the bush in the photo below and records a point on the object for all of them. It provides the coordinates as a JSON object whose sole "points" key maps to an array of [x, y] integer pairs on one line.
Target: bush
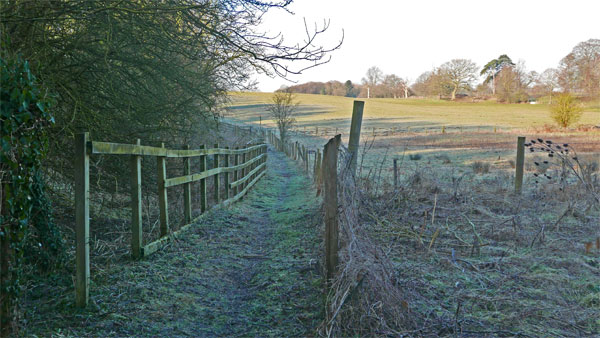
{"points": [[415, 157], [480, 167], [24, 118], [565, 111]]}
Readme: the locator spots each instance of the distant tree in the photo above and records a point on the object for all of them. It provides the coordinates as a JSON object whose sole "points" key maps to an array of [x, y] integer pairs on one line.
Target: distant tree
{"points": [[507, 85], [513, 83], [393, 85], [494, 67], [548, 81], [432, 83], [282, 110], [373, 78], [580, 69], [459, 74], [565, 111], [349, 89]]}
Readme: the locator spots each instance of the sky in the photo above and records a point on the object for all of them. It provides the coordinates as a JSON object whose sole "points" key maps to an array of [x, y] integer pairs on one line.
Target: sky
{"points": [[407, 38]]}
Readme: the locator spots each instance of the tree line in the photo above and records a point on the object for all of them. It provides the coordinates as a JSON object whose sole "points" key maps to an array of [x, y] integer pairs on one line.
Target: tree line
{"points": [[507, 81]]}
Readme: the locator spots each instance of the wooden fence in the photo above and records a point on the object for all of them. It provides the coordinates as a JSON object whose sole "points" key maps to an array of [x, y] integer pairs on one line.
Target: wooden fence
{"points": [[238, 169]]}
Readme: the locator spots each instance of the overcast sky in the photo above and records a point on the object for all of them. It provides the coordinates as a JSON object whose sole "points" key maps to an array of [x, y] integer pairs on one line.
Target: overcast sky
{"points": [[409, 37]]}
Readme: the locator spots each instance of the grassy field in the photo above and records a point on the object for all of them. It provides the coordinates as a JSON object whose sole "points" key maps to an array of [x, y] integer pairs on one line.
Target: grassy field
{"points": [[420, 114], [455, 134]]}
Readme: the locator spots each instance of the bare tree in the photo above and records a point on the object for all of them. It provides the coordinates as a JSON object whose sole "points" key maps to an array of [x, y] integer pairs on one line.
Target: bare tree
{"points": [[549, 81], [580, 69], [459, 73], [372, 79], [282, 111], [394, 85]]}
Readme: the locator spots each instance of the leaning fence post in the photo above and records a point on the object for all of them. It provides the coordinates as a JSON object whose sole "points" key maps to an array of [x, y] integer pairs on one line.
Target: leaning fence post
{"points": [[82, 220], [519, 164], [136, 205], [353, 142], [187, 190], [162, 194], [330, 202]]}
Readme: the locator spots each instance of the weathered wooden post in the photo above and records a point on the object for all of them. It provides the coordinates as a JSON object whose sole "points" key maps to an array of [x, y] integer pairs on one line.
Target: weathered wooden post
{"points": [[217, 176], [305, 158], [187, 190], [395, 173], [519, 164], [355, 126], [330, 203], [244, 171], [82, 220], [318, 167], [227, 174], [236, 161], [203, 197], [136, 204], [162, 194]]}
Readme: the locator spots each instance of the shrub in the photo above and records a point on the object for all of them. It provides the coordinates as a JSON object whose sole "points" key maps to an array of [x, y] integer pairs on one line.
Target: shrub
{"points": [[480, 167], [24, 118], [415, 157], [565, 111]]}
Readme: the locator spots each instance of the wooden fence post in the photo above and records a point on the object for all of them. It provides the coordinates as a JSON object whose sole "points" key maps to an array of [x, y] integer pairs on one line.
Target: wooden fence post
{"points": [[236, 161], [318, 167], [355, 126], [227, 174], [187, 190], [519, 164], [217, 176], [162, 194], [136, 205], [243, 172], [330, 202], [82, 220], [203, 197], [305, 158], [395, 173], [265, 151]]}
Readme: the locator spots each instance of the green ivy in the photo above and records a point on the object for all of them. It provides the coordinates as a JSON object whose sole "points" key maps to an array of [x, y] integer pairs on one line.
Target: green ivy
{"points": [[24, 117]]}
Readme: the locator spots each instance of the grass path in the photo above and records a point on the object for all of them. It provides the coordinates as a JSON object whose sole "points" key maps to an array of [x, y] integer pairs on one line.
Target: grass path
{"points": [[250, 270]]}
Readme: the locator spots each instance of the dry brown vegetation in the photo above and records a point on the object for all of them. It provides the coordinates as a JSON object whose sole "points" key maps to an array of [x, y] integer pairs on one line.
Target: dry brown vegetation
{"points": [[448, 252]]}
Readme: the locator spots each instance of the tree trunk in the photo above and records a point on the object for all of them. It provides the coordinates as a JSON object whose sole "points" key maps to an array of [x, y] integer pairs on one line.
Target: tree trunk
{"points": [[454, 92]]}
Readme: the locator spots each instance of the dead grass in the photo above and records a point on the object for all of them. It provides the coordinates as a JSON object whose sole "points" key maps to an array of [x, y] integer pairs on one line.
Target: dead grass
{"points": [[471, 258]]}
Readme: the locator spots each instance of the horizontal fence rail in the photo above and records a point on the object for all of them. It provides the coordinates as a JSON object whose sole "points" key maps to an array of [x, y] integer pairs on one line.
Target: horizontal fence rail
{"points": [[247, 166]]}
